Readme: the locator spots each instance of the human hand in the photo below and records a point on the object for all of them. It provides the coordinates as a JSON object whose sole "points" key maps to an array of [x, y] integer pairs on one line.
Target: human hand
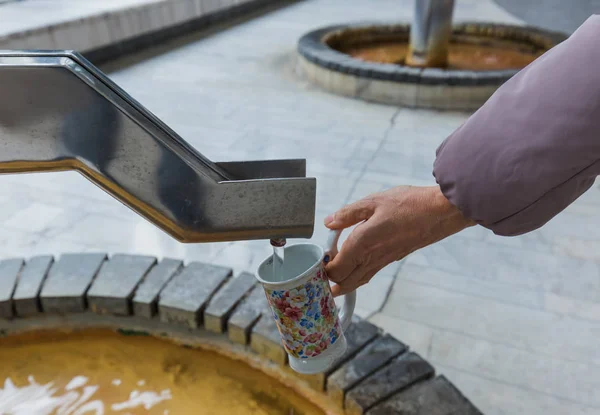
{"points": [[392, 224]]}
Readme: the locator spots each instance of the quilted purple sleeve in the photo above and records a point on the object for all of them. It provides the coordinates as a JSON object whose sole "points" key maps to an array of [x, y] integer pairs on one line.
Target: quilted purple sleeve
{"points": [[534, 146]]}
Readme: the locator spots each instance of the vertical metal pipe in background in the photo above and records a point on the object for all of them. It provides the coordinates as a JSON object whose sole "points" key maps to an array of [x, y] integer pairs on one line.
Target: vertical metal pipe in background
{"points": [[430, 33]]}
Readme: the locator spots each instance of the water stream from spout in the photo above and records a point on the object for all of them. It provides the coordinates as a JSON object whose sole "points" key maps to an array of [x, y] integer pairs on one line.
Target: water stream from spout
{"points": [[278, 258]]}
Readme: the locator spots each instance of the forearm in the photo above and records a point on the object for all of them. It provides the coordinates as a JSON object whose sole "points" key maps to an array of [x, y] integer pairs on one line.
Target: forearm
{"points": [[534, 147]]}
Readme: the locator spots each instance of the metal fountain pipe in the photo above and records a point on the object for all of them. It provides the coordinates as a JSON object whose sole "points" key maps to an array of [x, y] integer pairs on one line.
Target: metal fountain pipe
{"points": [[59, 112], [430, 33]]}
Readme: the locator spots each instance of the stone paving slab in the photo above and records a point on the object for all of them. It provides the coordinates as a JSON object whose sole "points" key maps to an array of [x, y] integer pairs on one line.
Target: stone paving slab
{"points": [[419, 336], [535, 287], [358, 335], [266, 341], [113, 288], [185, 297], [224, 302], [9, 274], [28, 289], [370, 359], [503, 398], [145, 301], [419, 303], [398, 375], [453, 349], [245, 316], [552, 14], [68, 281], [371, 297], [435, 397]]}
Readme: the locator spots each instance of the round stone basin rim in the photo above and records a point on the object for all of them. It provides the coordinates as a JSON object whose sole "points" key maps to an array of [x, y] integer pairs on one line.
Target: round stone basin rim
{"points": [[205, 305], [314, 48]]}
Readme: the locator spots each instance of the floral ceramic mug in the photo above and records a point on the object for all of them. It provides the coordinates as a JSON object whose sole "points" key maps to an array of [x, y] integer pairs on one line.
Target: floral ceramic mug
{"points": [[299, 294]]}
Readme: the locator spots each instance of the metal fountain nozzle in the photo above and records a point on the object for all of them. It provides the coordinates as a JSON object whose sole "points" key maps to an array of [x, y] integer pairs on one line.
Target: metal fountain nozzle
{"points": [[59, 112]]}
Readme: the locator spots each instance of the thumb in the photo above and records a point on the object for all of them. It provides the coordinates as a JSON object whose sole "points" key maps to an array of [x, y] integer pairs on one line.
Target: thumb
{"points": [[351, 215]]}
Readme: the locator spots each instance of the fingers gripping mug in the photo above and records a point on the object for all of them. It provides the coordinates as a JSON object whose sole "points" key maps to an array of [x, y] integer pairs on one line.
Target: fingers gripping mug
{"points": [[299, 294]]}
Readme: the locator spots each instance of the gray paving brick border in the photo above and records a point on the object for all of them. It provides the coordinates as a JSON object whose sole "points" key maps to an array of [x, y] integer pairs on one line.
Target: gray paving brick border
{"points": [[377, 375]]}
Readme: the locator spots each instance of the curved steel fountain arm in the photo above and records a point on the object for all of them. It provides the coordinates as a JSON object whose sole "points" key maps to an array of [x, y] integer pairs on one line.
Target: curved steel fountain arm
{"points": [[58, 112]]}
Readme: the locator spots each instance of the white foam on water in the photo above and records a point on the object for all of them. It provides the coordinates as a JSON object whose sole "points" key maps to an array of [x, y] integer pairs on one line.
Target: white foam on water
{"points": [[32, 399], [145, 399], [37, 399], [76, 382], [278, 261]]}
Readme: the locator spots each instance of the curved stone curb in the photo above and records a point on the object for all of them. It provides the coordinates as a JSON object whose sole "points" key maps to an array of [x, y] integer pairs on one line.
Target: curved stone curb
{"points": [[103, 36], [407, 86], [206, 303]]}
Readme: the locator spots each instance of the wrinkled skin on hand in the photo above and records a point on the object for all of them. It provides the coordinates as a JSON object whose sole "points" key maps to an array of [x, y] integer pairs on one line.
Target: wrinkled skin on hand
{"points": [[391, 225]]}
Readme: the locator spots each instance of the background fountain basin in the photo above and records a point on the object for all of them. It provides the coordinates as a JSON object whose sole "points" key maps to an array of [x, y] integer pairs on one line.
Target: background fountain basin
{"points": [[323, 62]]}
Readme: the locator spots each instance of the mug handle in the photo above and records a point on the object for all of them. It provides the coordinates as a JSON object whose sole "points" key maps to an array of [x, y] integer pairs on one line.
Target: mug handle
{"points": [[347, 309]]}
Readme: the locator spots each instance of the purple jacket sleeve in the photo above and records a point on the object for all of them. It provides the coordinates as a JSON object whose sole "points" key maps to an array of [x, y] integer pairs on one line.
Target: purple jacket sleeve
{"points": [[534, 146]]}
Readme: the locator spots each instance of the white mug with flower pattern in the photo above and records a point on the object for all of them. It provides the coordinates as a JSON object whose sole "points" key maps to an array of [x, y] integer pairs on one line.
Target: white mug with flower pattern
{"points": [[299, 294]]}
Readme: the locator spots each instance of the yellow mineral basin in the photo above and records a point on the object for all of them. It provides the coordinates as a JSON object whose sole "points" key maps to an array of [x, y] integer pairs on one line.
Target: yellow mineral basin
{"points": [[102, 372]]}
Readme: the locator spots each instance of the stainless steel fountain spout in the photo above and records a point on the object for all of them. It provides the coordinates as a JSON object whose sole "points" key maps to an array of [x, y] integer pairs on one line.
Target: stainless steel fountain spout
{"points": [[430, 33], [59, 112]]}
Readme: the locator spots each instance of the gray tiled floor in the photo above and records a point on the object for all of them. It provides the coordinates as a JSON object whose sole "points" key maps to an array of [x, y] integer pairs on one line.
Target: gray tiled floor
{"points": [[514, 322], [553, 14]]}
